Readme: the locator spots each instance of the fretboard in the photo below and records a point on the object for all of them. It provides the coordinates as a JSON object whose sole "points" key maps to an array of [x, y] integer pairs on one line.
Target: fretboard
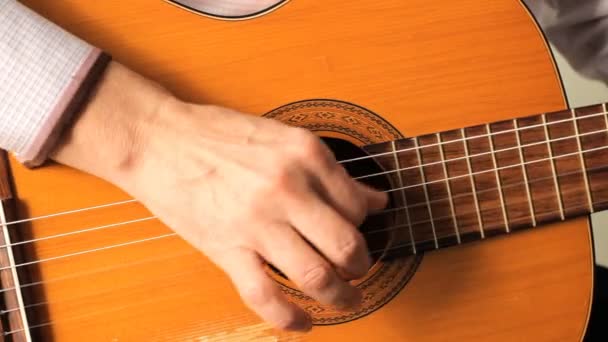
{"points": [[468, 184]]}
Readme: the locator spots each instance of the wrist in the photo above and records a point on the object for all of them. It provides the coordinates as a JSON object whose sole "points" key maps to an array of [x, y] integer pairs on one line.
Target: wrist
{"points": [[108, 136]]}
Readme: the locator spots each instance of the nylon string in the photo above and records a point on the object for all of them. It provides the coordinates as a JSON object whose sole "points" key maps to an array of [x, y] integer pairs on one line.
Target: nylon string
{"points": [[388, 229], [344, 161], [424, 203], [384, 250], [491, 134]]}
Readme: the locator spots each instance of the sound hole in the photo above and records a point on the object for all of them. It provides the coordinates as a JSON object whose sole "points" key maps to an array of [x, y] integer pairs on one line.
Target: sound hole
{"points": [[374, 228]]}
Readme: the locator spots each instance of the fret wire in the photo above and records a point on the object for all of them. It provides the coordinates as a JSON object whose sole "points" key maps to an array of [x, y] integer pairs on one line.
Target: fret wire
{"points": [[582, 160], [553, 171], [340, 161], [469, 138], [502, 167], [605, 114], [175, 234], [426, 192], [390, 228], [119, 203], [449, 189], [485, 171], [479, 154], [387, 210], [524, 173], [397, 246], [473, 187], [498, 182], [403, 197], [372, 252]]}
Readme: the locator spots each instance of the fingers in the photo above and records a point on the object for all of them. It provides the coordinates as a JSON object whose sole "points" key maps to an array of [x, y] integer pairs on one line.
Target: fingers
{"points": [[334, 236], [260, 293], [329, 209], [376, 200], [322, 206], [343, 194], [287, 251], [351, 199]]}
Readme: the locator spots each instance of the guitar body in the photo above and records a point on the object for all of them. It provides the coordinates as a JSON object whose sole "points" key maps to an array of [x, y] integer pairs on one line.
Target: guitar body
{"points": [[391, 68]]}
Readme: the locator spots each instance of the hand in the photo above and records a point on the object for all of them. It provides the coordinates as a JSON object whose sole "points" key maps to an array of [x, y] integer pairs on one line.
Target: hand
{"points": [[244, 190]]}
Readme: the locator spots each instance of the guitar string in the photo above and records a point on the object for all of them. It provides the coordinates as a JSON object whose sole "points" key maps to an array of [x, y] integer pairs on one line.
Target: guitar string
{"points": [[219, 325], [376, 251], [81, 231], [115, 308], [341, 161], [408, 245], [68, 212], [495, 152], [371, 214], [466, 194], [233, 320], [384, 250], [545, 142], [106, 290], [516, 165], [171, 277], [99, 270], [396, 227], [577, 153], [464, 139]]}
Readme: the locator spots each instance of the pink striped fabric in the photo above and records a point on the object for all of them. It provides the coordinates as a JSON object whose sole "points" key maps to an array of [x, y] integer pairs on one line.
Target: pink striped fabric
{"points": [[41, 69]]}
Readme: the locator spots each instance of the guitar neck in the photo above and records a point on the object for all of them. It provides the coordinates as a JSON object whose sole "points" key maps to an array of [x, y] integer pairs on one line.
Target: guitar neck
{"points": [[472, 183]]}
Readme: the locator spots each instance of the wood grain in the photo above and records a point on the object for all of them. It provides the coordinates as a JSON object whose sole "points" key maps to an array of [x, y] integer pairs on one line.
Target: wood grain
{"points": [[6, 192], [512, 183], [424, 66], [13, 320]]}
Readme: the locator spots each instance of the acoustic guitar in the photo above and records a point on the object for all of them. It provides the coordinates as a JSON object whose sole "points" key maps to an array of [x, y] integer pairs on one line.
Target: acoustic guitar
{"points": [[454, 108]]}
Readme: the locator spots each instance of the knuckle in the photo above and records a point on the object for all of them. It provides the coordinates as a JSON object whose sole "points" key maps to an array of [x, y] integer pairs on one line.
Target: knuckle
{"points": [[309, 145], [257, 295], [349, 249], [317, 278], [281, 181]]}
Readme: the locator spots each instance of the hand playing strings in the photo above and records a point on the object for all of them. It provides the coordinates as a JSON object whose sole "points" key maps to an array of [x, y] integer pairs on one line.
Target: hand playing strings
{"points": [[244, 190]]}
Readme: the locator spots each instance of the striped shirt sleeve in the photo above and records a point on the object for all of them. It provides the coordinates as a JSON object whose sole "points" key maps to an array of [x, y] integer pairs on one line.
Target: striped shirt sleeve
{"points": [[45, 74]]}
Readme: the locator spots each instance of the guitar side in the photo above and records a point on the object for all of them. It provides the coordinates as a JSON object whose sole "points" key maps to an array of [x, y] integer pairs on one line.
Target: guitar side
{"points": [[421, 66]]}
